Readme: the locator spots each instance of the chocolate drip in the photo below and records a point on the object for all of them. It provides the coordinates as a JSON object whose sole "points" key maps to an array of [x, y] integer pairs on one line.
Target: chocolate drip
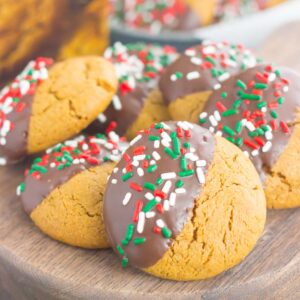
{"points": [[117, 216]]}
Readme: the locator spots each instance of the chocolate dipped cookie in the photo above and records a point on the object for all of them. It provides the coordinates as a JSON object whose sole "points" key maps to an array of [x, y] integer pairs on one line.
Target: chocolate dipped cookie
{"points": [[183, 204], [188, 82], [63, 189], [258, 110], [48, 103], [138, 103]]}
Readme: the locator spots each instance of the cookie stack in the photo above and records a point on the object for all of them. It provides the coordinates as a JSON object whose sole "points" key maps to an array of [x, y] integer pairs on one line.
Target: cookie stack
{"points": [[167, 158]]}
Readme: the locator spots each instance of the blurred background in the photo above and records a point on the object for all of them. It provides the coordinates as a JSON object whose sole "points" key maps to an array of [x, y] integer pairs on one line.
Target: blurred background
{"points": [[64, 28]]}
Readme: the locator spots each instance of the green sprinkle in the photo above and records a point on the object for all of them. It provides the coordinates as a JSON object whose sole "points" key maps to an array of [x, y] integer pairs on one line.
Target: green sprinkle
{"points": [[211, 60], [176, 145], [166, 232], [22, 187], [179, 183], [124, 262], [129, 232], [149, 186], [236, 104], [224, 95], [60, 167], [159, 126], [76, 151], [159, 181], [120, 250], [154, 138], [186, 173], [40, 169], [170, 153], [274, 114], [183, 163], [230, 139], [186, 145], [280, 100], [126, 176], [139, 241], [265, 128], [148, 156], [241, 84], [125, 242], [100, 136], [229, 112], [238, 126], [239, 142], [261, 104], [152, 168], [260, 86], [149, 205], [202, 121], [59, 158], [278, 73], [68, 164], [252, 133], [179, 75], [37, 160], [228, 130], [250, 97]]}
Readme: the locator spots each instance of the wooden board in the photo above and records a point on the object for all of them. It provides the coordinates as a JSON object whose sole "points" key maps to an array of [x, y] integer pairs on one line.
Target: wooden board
{"points": [[33, 266]]}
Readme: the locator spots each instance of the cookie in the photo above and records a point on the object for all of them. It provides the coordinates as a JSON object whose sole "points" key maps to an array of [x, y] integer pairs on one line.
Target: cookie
{"points": [[138, 103], [187, 83], [48, 103], [159, 16], [59, 29], [258, 110], [63, 189], [183, 204]]}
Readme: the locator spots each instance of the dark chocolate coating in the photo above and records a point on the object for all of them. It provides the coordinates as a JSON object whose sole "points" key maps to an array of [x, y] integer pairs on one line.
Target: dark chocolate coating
{"points": [[287, 112], [36, 190], [117, 216], [15, 148], [172, 90]]}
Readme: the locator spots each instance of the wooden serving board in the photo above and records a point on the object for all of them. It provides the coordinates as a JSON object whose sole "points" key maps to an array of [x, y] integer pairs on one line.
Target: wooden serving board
{"points": [[32, 266]]}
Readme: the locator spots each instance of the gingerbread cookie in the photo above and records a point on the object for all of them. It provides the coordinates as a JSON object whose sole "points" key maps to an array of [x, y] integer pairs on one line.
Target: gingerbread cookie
{"points": [[63, 189], [187, 83], [138, 103], [48, 103], [183, 204], [258, 110]]}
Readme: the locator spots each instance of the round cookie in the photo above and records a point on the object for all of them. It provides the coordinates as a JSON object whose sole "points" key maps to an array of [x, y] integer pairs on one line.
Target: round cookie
{"points": [[187, 205], [48, 103], [187, 83], [138, 103], [258, 110], [157, 16], [63, 189]]}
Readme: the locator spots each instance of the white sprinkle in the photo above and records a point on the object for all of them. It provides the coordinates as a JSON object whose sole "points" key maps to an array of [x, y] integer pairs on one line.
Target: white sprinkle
{"points": [[196, 61], [263, 109], [217, 86], [211, 129], [224, 77], [126, 198], [217, 115], [246, 153], [165, 143], [140, 172], [180, 191], [156, 155], [173, 77], [266, 147], [285, 89], [76, 161], [2, 141], [167, 186], [114, 181], [85, 147], [108, 146], [24, 87], [254, 153], [158, 199], [165, 126], [250, 126], [149, 196], [191, 156], [2, 161], [156, 144], [116, 102], [135, 163], [269, 135], [102, 118], [150, 214], [139, 157], [114, 137], [172, 199], [152, 162], [192, 149], [166, 205], [18, 191], [203, 115], [213, 121], [165, 136], [201, 163], [116, 170], [190, 52], [141, 222], [169, 175], [209, 50], [82, 160], [200, 175], [124, 170], [53, 165], [160, 223], [137, 138], [272, 77], [193, 75], [219, 133]]}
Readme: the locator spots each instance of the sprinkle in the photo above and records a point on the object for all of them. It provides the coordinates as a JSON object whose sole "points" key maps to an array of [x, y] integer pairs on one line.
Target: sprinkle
{"points": [[141, 222], [169, 175], [135, 140], [160, 223], [155, 155], [139, 241], [136, 187], [193, 75], [180, 191], [166, 232], [127, 198], [200, 175]]}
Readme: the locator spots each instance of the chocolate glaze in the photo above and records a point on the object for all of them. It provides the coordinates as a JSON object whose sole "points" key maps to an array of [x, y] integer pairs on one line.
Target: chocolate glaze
{"points": [[117, 216], [16, 140], [36, 190], [172, 90], [287, 112]]}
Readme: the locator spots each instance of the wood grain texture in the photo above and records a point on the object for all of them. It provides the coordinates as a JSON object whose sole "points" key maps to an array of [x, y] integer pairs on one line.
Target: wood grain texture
{"points": [[33, 266]]}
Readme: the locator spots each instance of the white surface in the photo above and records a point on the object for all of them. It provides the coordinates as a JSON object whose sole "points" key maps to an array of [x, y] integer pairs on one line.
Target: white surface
{"points": [[252, 30]]}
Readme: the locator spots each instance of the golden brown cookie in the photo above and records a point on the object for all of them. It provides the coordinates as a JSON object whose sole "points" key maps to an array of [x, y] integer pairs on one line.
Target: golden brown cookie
{"points": [[187, 83], [138, 103], [63, 189], [187, 205], [55, 28], [258, 110], [48, 103]]}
